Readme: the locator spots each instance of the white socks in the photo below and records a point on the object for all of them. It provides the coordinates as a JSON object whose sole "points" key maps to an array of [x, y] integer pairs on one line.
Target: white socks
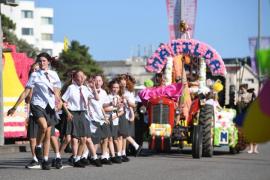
{"points": [[35, 158], [57, 155]]}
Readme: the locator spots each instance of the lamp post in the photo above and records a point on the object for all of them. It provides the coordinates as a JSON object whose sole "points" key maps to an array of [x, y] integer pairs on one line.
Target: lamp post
{"points": [[2, 138]]}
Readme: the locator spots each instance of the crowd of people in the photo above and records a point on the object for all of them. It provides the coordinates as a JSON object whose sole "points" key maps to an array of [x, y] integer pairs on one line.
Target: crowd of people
{"points": [[89, 117]]}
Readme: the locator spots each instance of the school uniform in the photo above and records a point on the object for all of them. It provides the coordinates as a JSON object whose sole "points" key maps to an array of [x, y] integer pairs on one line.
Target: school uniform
{"points": [[130, 124], [105, 131], [43, 98], [77, 100], [95, 117], [114, 123]]}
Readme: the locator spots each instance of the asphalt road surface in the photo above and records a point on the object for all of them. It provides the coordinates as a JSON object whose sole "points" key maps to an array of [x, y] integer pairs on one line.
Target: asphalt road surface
{"points": [[149, 166]]}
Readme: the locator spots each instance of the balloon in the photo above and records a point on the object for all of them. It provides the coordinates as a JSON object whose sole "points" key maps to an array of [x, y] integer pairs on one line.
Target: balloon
{"points": [[256, 126]]}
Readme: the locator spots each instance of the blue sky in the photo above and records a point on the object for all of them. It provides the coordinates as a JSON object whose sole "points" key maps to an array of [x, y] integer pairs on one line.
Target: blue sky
{"points": [[113, 29]]}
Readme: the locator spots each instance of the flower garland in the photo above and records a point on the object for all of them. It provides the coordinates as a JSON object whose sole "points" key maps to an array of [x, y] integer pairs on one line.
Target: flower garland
{"points": [[190, 47]]}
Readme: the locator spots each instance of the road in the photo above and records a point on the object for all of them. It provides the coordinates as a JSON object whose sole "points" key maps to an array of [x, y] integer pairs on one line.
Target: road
{"points": [[149, 166]]}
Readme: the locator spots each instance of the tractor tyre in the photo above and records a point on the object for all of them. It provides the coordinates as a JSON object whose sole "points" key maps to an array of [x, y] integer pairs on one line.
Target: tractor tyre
{"points": [[206, 119], [197, 142]]}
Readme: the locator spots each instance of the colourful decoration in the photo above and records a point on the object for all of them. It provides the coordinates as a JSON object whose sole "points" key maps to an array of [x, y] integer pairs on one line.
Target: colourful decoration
{"points": [[225, 131], [172, 91], [168, 71], [189, 47], [148, 83], [217, 86], [163, 130]]}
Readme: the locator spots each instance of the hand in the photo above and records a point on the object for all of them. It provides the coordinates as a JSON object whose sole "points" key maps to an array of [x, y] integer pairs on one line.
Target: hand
{"points": [[58, 105], [11, 111], [69, 116]]}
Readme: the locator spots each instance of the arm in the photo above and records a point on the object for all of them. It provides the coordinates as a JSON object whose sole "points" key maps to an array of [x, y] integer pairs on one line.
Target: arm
{"points": [[69, 115], [23, 95]]}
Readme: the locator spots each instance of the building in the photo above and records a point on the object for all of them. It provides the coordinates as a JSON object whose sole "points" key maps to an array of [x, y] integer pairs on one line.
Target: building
{"points": [[133, 66], [35, 25]]}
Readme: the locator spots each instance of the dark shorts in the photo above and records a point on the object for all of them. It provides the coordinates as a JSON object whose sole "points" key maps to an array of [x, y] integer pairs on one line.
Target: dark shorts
{"points": [[48, 113], [123, 126], [79, 126], [105, 131], [96, 136]]}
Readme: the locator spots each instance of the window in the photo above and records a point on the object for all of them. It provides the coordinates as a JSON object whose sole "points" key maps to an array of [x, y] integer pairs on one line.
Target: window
{"points": [[49, 51], [27, 14], [28, 31], [46, 20], [46, 36]]}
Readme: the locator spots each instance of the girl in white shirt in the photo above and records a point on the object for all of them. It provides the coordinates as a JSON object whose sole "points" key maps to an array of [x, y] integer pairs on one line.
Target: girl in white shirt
{"points": [[127, 85], [76, 98], [44, 102], [114, 111]]}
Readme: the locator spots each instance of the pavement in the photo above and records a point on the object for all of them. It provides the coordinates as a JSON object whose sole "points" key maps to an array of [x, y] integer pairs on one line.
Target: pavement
{"points": [[14, 148]]}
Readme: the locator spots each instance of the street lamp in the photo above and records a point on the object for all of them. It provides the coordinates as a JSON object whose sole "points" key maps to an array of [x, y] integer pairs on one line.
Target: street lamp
{"points": [[2, 138]]}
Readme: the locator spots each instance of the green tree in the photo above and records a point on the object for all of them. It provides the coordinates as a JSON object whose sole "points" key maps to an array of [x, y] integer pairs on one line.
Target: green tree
{"points": [[22, 46], [76, 57]]}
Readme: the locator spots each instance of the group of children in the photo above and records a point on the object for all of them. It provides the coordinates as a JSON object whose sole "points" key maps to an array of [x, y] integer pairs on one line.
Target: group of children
{"points": [[90, 117]]}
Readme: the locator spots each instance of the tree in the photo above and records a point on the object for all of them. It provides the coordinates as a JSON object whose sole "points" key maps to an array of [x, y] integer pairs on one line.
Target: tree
{"points": [[22, 46], [76, 57]]}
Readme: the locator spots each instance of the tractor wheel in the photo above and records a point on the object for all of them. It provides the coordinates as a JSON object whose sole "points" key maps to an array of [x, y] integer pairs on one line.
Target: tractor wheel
{"points": [[206, 120], [197, 142], [167, 145], [233, 150]]}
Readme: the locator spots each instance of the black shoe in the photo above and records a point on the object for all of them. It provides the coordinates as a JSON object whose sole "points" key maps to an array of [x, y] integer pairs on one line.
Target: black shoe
{"points": [[96, 162], [33, 165], [79, 164], [45, 165], [106, 161], [38, 152], [124, 158], [71, 160], [116, 160], [138, 151], [58, 163], [85, 161]]}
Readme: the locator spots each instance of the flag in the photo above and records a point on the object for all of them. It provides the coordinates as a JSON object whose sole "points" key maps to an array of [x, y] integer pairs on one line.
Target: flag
{"points": [[66, 43], [253, 45], [263, 59]]}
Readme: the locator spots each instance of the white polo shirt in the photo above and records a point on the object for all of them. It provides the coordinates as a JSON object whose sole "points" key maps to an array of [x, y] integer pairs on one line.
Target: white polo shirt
{"points": [[112, 98], [131, 98], [42, 88], [73, 97]]}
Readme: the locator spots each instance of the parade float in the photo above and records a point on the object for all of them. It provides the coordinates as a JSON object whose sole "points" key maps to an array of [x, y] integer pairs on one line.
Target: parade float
{"points": [[178, 113], [15, 76]]}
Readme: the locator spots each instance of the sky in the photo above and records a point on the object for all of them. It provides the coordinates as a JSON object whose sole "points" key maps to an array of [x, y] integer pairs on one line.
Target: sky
{"points": [[115, 29]]}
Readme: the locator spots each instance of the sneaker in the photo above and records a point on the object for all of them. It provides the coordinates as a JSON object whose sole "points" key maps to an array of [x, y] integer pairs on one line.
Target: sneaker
{"points": [[96, 162], [85, 161], [116, 160], [58, 163], [138, 151], [124, 158], [33, 165], [79, 164], [106, 161], [38, 152], [45, 165], [71, 160]]}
